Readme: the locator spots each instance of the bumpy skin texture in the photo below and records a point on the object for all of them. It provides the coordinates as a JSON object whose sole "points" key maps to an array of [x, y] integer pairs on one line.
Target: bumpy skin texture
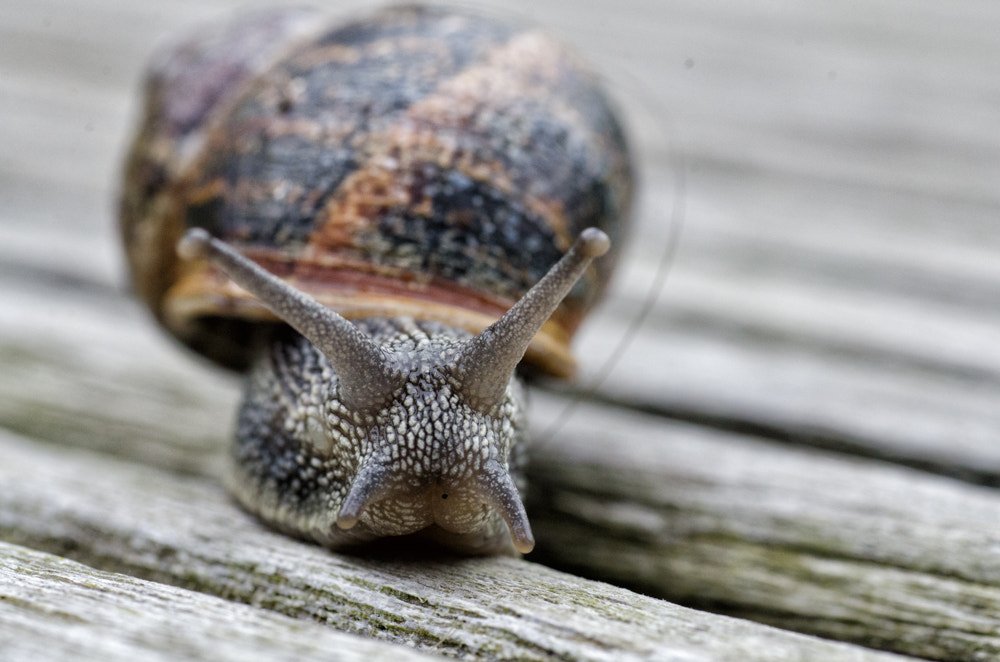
{"points": [[298, 448], [420, 161]]}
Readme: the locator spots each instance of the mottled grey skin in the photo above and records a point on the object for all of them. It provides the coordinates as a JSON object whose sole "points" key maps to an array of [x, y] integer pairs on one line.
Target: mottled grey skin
{"points": [[299, 448], [387, 427]]}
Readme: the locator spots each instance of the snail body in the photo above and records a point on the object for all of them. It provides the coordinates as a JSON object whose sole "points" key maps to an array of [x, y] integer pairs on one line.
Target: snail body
{"points": [[377, 220]]}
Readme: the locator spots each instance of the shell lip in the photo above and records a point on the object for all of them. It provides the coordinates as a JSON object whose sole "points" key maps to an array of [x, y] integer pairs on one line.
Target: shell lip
{"points": [[202, 292]]}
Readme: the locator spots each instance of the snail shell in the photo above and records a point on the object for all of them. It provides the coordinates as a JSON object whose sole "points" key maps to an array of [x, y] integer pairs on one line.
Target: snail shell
{"points": [[416, 171]]}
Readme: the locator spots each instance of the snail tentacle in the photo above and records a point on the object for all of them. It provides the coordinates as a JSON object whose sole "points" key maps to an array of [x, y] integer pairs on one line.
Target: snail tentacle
{"points": [[489, 359], [368, 374]]}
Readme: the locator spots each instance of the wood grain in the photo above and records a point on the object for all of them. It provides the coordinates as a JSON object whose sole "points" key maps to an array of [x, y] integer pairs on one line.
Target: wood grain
{"points": [[55, 609], [840, 547], [151, 524]]}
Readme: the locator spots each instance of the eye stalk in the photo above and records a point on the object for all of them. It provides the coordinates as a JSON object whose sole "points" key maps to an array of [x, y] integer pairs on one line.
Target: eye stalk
{"points": [[368, 375], [489, 359]]}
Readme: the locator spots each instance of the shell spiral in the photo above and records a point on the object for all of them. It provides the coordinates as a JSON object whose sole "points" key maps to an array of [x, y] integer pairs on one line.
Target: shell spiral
{"points": [[417, 161]]}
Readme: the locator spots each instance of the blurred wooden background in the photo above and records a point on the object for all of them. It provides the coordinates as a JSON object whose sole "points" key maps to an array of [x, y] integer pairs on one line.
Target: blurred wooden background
{"points": [[834, 302]]}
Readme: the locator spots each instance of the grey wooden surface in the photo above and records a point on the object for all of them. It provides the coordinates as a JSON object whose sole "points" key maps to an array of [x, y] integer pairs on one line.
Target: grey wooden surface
{"points": [[809, 410]]}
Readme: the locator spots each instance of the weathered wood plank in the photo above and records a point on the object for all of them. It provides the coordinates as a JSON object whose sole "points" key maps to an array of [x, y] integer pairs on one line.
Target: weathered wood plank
{"points": [[853, 391], [837, 282], [807, 540], [159, 526], [841, 199], [55, 609], [793, 537], [86, 368]]}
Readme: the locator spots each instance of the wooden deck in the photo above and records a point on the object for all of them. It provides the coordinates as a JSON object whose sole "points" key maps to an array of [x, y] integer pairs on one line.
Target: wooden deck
{"points": [[805, 433]]}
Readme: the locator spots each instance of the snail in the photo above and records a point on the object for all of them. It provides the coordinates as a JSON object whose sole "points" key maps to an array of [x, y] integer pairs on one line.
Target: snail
{"points": [[377, 219]]}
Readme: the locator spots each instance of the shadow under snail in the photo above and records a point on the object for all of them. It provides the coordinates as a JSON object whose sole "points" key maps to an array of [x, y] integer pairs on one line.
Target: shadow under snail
{"points": [[377, 219]]}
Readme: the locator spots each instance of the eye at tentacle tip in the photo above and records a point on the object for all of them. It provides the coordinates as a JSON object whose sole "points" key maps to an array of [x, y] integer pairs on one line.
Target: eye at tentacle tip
{"points": [[593, 242], [196, 244]]}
